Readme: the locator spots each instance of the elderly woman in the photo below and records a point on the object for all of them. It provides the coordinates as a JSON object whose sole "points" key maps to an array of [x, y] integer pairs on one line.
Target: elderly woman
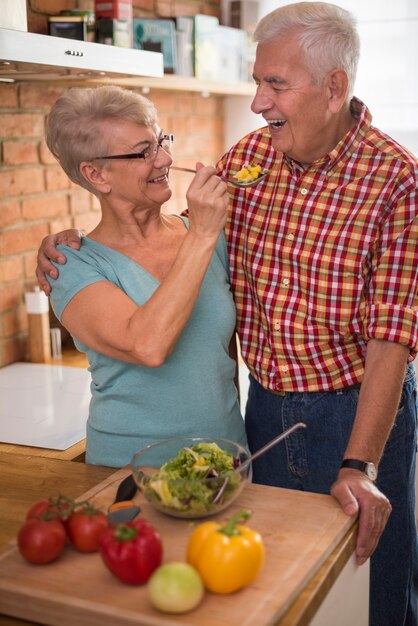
{"points": [[147, 297]]}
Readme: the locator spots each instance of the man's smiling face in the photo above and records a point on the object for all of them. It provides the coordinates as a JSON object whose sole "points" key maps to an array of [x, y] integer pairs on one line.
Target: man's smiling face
{"points": [[293, 105]]}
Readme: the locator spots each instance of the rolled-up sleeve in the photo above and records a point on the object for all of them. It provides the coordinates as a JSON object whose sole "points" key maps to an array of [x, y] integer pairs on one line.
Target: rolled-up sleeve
{"points": [[391, 306]]}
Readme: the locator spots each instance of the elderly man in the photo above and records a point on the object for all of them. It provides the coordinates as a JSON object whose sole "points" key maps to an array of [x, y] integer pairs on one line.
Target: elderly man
{"points": [[323, 256]]}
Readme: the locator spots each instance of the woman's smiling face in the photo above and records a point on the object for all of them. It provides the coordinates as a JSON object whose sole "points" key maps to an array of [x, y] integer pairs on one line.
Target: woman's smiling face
{"points": [[139, 180], [293, 105]]}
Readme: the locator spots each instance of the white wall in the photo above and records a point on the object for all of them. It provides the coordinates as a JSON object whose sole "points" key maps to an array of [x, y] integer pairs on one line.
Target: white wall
{"points": [[387, 77], [238, 119]]}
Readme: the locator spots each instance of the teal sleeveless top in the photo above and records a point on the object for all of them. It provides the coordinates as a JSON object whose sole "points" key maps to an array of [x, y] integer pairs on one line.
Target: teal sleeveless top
{"points": [[191, 394]]}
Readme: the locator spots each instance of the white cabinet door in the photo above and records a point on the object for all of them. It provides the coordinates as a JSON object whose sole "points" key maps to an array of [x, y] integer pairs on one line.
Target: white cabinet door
{"points": [[347, 602]]}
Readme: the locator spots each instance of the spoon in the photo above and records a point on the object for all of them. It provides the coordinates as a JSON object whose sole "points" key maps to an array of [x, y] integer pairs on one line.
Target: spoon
{"points": [[254, 456], [230, 181]]}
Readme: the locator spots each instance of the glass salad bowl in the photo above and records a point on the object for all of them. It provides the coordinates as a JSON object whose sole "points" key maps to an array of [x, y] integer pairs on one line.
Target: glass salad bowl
{"points": [[191, 477]]}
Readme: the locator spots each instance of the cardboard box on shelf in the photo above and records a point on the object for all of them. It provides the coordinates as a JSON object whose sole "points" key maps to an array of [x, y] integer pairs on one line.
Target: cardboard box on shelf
{"points": [[244, 14], [157, 35], [70, 26], [113, 9], [114, 32]]}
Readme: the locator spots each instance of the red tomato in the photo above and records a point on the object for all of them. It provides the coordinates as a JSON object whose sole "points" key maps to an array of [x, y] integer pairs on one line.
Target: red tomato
{"points": [[132, 551], [59, 507], [85, 527], [41, 541]]}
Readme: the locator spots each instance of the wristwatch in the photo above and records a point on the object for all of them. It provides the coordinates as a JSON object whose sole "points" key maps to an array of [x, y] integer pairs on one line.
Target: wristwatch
{"points": [[367, 468]]}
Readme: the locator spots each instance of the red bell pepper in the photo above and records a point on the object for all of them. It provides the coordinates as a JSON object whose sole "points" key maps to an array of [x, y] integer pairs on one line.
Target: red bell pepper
{"points": [[132, 551]]}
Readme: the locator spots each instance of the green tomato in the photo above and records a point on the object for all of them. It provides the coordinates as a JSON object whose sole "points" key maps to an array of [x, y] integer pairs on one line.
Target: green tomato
{"points": [[175, 588]]}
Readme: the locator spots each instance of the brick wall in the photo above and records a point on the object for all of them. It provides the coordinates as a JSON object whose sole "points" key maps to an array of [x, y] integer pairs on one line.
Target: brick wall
{"points": [[36, 197]]}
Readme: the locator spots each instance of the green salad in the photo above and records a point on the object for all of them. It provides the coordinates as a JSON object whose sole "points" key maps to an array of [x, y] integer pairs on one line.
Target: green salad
{"points": [[191, 481]]}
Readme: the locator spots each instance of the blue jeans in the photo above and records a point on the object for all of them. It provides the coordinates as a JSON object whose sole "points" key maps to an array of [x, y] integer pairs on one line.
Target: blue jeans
{"points": [[309, 460]]}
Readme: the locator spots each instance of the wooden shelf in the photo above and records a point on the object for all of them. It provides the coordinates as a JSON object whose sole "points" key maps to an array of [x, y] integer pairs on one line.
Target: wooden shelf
{"points": [[32, 57], [181, 83]]}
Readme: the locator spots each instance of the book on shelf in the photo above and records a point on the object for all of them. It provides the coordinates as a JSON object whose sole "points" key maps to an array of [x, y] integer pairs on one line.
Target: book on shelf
{"points": [[221, 52], [206, 53], [245, 14], [157, 35], [185, 45], [232, 54]]}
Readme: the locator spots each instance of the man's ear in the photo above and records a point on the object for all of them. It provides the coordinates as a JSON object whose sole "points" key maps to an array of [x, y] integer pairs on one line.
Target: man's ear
{"points": [[95, 176], [337, 85]]}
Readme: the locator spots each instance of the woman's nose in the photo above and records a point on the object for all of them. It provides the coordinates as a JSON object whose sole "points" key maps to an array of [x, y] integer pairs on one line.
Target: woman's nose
{"points": [[163, 158]]}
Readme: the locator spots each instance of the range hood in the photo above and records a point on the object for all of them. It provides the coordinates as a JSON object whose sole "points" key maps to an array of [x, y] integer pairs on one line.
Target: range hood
{"points": [[30, 56]]}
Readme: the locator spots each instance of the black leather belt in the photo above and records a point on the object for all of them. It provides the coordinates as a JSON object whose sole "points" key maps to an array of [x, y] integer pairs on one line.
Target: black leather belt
{"points": [[355, 386], [348, 388]]}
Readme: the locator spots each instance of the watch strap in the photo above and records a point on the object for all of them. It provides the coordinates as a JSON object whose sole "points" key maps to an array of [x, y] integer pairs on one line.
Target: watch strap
{"points": [[368, 468], [354, 464]]}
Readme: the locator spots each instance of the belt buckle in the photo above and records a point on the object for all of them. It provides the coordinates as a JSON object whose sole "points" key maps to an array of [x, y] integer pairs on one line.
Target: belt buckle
{"points": [[280, 393]]}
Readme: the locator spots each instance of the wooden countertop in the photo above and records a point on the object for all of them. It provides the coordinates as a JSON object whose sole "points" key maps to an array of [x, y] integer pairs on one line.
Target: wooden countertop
{"points": [[25, 479]]}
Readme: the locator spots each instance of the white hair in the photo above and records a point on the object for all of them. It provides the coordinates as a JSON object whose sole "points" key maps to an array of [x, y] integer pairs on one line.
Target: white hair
{"points": [[328, 36]]}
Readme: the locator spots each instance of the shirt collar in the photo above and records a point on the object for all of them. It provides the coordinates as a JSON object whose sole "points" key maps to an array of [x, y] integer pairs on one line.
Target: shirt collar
{"points": [[351, 140], [345, 147]]}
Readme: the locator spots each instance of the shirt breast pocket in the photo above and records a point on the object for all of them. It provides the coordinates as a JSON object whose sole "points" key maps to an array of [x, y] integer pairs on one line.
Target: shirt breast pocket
{"points": [[334, 288]]}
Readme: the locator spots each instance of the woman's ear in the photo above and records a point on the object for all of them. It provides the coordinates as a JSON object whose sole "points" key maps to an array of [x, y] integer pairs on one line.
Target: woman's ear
{"points": [[337, 85], [95, 176]]}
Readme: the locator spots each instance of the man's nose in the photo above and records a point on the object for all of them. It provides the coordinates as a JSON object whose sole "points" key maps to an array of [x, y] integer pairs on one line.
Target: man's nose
{"points": [[261, 101]]}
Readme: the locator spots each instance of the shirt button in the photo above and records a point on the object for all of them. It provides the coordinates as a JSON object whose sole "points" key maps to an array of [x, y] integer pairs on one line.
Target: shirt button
{"points": [[284, 368], [291, 236], [276, 326], [285, 281], [303, 191]]}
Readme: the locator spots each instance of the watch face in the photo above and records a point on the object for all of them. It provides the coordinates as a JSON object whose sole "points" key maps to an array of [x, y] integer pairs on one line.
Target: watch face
{"points": [[371, 471]]}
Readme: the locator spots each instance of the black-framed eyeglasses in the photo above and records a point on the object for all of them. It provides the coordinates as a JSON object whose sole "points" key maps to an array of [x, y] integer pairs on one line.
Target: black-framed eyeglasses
{"points": [[165, 142]]}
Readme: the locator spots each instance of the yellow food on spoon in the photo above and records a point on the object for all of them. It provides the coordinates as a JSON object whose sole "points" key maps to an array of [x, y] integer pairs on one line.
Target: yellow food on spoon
{"points": [[255, 170], [248, 173]]}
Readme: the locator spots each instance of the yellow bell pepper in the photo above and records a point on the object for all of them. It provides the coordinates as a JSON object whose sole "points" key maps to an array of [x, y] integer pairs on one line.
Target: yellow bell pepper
{"points": [[227, 557]]}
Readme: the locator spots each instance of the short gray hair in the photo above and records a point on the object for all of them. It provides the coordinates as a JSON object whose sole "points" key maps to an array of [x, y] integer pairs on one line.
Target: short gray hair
{"points": [[328, 37], [73, 126]]}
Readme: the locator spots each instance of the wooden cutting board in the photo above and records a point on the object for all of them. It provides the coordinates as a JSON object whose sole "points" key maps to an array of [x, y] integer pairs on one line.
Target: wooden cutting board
{"points": [[300, 530]]}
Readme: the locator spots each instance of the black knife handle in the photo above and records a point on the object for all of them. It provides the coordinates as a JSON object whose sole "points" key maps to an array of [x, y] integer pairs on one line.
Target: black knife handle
{"points": [[126, 490]]}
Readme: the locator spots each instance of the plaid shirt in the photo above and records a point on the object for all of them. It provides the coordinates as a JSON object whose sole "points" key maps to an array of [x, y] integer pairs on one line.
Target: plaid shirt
{"points": [[324, 258]]}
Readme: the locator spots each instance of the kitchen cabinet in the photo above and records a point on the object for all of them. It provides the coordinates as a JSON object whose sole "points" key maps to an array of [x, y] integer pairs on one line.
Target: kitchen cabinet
{"points": [[70, 358], [309, 545]]}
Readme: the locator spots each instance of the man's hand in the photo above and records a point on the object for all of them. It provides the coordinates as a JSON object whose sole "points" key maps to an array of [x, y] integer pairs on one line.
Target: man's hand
{"points": [[358, 495], [48, 251]]}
